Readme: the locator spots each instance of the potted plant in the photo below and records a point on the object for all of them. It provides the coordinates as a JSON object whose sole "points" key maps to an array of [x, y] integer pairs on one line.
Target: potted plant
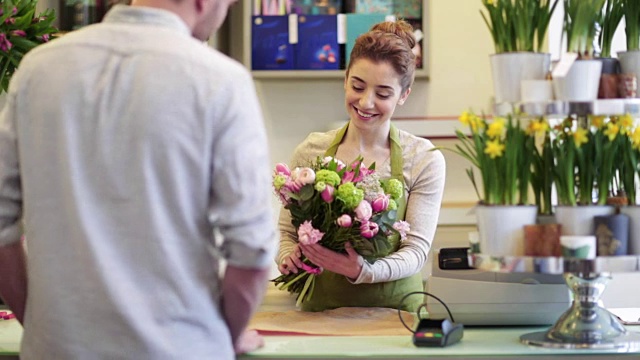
{"points": [[518, 29], [499, 150], [610, 18], [630, 59], [579, 26], [629, 169], [584, 156], [20, 31]]}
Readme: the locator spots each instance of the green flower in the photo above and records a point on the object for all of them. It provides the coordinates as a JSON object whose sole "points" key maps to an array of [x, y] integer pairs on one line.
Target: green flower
{"points": [[350, 195], [328, 177], [320, 186], [393, 205], [279, 181], [394, 188]]}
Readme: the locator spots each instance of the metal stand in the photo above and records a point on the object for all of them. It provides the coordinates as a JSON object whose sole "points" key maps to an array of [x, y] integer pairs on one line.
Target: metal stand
{"points": [[586, 324]]}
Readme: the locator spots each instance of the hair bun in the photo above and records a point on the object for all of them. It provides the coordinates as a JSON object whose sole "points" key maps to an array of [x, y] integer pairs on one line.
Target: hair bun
{"points": [[401, 28]]}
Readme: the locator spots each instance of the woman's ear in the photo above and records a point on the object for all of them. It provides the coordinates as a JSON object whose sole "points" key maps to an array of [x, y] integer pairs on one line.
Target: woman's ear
{"points": [[404, 97]]}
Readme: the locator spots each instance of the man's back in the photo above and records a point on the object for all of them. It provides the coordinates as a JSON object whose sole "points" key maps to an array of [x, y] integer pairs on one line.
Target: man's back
{"points": [[134, 126]]}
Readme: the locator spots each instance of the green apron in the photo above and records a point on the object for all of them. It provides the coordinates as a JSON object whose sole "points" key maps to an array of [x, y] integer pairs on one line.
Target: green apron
{"points": [[332, 290]]}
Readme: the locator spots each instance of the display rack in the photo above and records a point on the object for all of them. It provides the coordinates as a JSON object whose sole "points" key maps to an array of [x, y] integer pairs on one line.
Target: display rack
{"points": [[578, 108], [586, 324], [241, 44]]}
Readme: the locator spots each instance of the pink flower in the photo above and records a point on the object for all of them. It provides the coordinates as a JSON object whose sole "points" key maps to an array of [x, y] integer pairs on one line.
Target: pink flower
{"points": [[327, 194], [368, 229], [43, 38], [307, 235], [311, 269], [283, 169], [363, 211], [347, 177], [402, 227], [5, 44], [19, 33], [344, 221], [380, 203], [305, 176]]}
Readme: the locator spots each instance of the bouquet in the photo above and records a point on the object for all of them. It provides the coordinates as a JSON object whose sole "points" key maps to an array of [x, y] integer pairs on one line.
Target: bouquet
{"points": [[332, 204], [20, 31]]}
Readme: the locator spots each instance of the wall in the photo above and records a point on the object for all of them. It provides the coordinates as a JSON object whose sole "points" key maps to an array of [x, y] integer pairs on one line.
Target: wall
{"points": [[458, 50]]}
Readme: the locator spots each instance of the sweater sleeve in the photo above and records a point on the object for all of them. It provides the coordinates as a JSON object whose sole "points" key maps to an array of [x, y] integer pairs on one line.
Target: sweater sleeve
{"points": [[424, 173]]}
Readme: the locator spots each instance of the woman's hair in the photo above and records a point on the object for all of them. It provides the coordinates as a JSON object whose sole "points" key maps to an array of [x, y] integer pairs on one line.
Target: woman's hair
{"points": [[389, 42]]}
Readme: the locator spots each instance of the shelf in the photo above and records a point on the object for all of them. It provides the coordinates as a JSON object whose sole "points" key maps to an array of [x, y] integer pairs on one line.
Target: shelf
{"points": [[564, 108], [313, 74], [240, 48]]}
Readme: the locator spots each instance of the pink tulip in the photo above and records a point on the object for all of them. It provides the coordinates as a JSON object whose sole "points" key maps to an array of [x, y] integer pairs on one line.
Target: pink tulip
{"points": [[380, 203], [327, 194], [282, 169], [344, 221], [369, 229]]}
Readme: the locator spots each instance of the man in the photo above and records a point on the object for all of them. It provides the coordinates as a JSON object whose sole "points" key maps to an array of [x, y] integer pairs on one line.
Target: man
{"points": [[125, 146]]}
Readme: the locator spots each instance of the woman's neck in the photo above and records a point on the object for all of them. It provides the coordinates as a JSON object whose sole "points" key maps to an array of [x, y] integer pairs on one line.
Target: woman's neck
{"points": [[367, 140]]}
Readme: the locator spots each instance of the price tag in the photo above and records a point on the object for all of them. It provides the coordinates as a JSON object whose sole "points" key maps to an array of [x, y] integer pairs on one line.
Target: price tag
{"points": [[564, 65]]}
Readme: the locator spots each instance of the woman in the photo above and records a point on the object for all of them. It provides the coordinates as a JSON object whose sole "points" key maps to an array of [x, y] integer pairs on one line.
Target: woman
{"points": [[379, 77]]}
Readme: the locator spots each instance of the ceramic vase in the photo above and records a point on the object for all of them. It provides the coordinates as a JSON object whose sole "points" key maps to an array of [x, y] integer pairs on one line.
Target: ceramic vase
{"points": [[509, 69], [581, 82], [501, 228], [579, 220]]}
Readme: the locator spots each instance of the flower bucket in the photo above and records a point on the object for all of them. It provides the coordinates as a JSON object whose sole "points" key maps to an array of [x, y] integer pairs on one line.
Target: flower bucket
{"points": [[501, 228], [509, 69], [581, 82], [579, 220], [633, 247], [630, 63]]}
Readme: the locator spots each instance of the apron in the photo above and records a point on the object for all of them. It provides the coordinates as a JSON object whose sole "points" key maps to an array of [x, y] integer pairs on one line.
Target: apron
{"points": [[332, 290]]}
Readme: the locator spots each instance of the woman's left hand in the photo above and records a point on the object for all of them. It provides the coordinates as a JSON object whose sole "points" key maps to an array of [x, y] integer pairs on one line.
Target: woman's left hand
{"points": [[349, 264]]}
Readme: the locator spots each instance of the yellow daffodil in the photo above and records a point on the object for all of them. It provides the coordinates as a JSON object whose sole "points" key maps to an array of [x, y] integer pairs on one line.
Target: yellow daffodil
{"points": [[635, 138], [580, 137], [626, 123], [496, 128], [597, 121], [537, 126], [494, 148], [612, 130], [465, 118]]}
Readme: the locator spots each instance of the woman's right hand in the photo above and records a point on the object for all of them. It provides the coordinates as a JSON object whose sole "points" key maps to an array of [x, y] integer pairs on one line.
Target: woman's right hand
{"points": [[291, 262]]}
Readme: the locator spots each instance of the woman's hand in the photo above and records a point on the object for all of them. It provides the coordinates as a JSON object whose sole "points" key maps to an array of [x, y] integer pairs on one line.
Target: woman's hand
{"points": [[349, 264], [292, 262]]}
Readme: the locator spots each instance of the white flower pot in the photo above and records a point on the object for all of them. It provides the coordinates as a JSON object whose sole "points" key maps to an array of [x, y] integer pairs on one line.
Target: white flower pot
{"points": [[578, 220], [630, 63], [501, 228], [509, 69], [581, 82]]}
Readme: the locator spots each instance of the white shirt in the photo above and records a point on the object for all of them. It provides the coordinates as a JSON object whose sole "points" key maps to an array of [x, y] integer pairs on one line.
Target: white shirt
{"points": [[126, 144]]}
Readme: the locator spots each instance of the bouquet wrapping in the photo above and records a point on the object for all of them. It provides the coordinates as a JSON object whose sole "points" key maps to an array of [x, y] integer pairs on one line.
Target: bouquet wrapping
{"points": [[332, 204]]}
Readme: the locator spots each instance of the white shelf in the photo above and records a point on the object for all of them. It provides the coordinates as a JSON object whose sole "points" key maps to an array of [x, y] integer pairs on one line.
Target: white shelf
{"points": [[564, 108]]}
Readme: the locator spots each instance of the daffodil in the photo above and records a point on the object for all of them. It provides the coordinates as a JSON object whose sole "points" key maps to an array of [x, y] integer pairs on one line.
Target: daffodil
{"points": [[496, 128], [626, 123], [494, 148], [580, 137], [537, 126], [612, 130], [635, 138], [597, 121], [465, 118]]}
